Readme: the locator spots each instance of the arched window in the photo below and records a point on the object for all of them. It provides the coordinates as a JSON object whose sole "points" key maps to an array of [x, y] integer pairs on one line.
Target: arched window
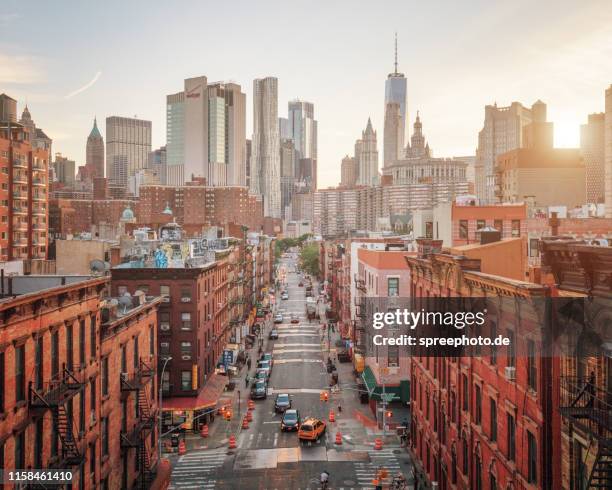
{"points": [[454, 464], [465, 456]]}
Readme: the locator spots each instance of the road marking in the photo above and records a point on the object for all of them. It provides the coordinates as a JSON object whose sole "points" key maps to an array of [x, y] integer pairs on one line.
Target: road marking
{"points": [[272, 422], [289, 361], [282, 345], [291, 391], [286, 351], [283, 335]]}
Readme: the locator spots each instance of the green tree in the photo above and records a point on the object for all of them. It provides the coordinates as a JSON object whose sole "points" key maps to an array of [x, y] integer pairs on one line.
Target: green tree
{"points": [[309, 259]]}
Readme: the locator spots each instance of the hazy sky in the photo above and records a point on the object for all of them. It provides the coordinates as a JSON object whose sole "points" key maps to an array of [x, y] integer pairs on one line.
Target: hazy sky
{"points": [[72, 60]]}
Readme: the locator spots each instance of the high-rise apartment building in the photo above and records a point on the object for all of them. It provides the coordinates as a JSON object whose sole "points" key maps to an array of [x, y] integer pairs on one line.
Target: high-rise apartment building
{"points": [[395, 115], [175, 138], [206, 133], [502, 132], [23, 194], [303, 128], [348, 172], [8, 109], [366, 156], [265, 147], [128, 143], [608, 153], [94, 152], [593, 154], [158, 163], [64, 169]]}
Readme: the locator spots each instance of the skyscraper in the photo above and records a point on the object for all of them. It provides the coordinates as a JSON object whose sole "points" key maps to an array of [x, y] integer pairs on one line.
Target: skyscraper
{"points": [[128, 143], [206, 133], [366, 157], [593, 152], [265, 158], [8, 109], [175, 139], [348, 172], [395, 115], [502, 131], [608, 143], [94, 152]]}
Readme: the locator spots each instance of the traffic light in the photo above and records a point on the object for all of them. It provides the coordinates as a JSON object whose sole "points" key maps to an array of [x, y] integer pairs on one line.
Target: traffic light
{"points": [[388, 414], [228, 414], [324, 396]]}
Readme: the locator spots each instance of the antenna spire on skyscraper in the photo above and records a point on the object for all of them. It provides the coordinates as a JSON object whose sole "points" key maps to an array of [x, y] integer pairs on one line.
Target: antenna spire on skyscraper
{"points": [[395, 52]]}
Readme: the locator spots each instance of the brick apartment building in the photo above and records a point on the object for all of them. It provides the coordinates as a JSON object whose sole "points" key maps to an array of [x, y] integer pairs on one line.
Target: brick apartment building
{"points": [[23, 195], [510, 220], [75, 401], [482, 421]]}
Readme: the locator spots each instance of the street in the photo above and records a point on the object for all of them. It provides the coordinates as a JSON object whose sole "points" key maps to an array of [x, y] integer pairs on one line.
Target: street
{"points": [[265, 457]]}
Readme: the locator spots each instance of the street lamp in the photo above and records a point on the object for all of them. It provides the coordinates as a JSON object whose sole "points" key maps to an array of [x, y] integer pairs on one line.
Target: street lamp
{"points": [[161, 386]]}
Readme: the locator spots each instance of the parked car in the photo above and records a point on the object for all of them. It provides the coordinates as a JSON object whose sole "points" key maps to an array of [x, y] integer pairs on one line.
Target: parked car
{"points": [[295, 318], [344, 356], [261, 375], [265, 366], [273, 335], [311, 429], [290, 421], [284, 295], [278, 318], [259, 390], [267, 356], [282, 402]]}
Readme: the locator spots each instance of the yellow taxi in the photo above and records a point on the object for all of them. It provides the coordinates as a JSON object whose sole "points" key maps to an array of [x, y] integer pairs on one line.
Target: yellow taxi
{"points": [[311, 429]]}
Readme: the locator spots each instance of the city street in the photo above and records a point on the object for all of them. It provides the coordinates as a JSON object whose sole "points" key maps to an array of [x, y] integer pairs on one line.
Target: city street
{"points": [[265, 457]]}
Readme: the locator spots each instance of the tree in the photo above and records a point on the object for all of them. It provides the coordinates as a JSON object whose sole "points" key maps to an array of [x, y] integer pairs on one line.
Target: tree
{"points": [[309, 259]]}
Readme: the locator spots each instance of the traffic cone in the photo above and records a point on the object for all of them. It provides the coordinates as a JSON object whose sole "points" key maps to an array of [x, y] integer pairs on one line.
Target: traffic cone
{"points": [[249, 416], [378, 444], [182, 449], [338, 438], [232, 442], [383, 473], [251, 405], [332, 416], [204, 431], [245, 423]]}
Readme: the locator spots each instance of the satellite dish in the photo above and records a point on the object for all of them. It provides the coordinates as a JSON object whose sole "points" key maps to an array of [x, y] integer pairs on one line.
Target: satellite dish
{"points": [[97, 266], [126, 303]]}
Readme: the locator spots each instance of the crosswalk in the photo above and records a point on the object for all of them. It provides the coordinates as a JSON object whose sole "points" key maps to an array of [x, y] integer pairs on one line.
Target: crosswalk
{"points": [[366, 471], [197, 469]]}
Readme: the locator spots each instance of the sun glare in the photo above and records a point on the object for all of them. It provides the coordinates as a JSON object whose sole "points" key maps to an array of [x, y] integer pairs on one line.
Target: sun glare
{"points": [[567, 134]]}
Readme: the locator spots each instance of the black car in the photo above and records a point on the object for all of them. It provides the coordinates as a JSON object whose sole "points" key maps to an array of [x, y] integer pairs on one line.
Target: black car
{"points": [[259, 390], [290, 421], [273, 335], [282, 403]]}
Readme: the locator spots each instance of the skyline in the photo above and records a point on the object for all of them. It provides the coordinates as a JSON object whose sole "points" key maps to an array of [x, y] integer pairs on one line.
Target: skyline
{"points": [[67, 83]]}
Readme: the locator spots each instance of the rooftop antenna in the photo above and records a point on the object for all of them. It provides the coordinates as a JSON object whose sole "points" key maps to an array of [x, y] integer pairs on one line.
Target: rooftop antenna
{"points": [[396, 52]]}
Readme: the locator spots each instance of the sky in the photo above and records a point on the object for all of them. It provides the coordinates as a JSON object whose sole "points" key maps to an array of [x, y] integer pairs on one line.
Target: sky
{"points": [[73, 60]]}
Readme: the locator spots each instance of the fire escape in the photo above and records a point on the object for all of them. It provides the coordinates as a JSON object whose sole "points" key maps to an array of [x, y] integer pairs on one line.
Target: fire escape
{"points": [[54, 395], [589, 408], [138, 436], [360, 313]]}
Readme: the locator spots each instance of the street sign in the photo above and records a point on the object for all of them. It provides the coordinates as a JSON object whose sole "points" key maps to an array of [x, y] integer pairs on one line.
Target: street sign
{"points": [[228, 357], [388, 397]]}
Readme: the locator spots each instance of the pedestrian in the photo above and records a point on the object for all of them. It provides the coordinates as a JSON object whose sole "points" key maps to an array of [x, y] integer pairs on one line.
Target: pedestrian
{"points": [[248, 364], [246, 381]]}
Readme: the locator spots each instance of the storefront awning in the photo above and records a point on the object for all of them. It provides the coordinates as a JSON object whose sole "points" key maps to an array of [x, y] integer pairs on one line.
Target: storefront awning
{"points": [[375, 390], [207, 398]]}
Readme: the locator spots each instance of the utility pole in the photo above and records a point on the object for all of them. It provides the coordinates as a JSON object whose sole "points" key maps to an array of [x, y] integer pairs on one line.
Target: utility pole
{"points": [[161, 386]]}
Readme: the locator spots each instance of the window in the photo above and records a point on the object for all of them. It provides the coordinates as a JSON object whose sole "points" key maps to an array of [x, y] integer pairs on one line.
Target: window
{"points": [[55, 355], [511, 443], [164, 348], [392, 355], [499, 226], [478, 396], [92, 336], [534, 247], [393, 286], [38, 381], [516, 228], [511, 352], [20, 381], [186, 380], [164, 321], [69, 346], [186, 350], [453, 407], [185, 321], [185, 295], [92, 464], [92, 399], [136, 354], [124, 359], [466, 393], [454, 466], [82, 411], [2, 377], [164, 291], [20, 451], [38, 443], [151, 340], [104, 376], [104, 432], [532, 370], [464, 446], [480, 224], [82, 343], [463, 229], [493, 436], [532, 458], [166, 382]]}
